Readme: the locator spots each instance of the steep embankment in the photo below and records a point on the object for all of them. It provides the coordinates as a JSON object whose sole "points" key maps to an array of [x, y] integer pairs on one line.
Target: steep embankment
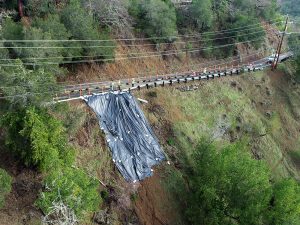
{"points": [[264, 107], [261, 107]]}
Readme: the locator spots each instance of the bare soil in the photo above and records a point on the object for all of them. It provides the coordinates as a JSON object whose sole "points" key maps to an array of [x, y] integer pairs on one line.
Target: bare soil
{"points": [[154, 204], [19, 206]]}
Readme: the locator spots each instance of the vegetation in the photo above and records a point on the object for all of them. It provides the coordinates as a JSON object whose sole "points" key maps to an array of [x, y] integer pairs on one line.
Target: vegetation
{"points": [[294, 44], [5, 185], [82, 26], [38, 44], [291, 7], [27, 86], [74, 188], [37, 138], [156, 18], [235, 189]]}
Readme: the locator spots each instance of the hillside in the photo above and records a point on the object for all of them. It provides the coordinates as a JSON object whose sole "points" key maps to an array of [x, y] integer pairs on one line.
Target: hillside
{"points": [[231, 143]]}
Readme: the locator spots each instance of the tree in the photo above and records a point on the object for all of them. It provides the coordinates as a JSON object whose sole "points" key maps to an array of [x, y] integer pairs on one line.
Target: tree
{"points": [[113, 14], [291, 7], [5, 186], [82, 26], [11, 31], [155, 18], [34, 53], [228, 187], [37, 139], [286, 203], [72, 187], [51, 24], [201, 14], [40, 8], [297, 71], [241, 35], [26, 87]]}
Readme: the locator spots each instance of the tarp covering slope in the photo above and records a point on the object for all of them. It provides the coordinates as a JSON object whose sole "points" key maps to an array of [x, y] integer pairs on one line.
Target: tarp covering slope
{"points": [[135, 148]]}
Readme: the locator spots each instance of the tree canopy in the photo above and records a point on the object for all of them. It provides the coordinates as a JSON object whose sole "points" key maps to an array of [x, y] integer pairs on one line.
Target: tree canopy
{"points": [[227, 186], [37, 138]]}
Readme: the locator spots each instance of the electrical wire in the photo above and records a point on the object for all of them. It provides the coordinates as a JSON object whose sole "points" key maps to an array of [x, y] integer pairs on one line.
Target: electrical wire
{"points": [[255, 53], [40, 93], [125, 58], [209, 64], [253, 26], [128, 45], [117, 55]]}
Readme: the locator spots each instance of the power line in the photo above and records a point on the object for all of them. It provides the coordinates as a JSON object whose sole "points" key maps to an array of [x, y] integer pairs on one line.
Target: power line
{"points": [[40, 93], [128, 45], [255, 53], [71, 57], [138, 75], [125, 58], [253, 26]]}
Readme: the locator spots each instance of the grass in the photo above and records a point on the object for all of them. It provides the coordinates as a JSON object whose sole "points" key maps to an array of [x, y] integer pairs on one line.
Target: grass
{"points": [[218, 110], [202, 113]]}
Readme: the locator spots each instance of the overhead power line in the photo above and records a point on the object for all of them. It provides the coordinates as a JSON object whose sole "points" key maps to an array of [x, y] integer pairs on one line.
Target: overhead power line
{"points": [[117, 55], [52, 92], [127, 45], [250, 27], [209, 64], [125, 58], [241, 55]]}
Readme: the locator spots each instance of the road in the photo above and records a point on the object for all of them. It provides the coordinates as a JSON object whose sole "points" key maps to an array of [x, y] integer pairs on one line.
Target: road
{"points": [[77, 91]]}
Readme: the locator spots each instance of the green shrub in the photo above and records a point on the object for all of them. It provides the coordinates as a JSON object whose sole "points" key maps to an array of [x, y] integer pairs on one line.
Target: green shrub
{"points": [[52, 25], [29, 87], [228, 187], [155, 18], [286, 203], [37, 139], [74, 188], [39, 7], [5, 186], [201, 15], [82, 26]]}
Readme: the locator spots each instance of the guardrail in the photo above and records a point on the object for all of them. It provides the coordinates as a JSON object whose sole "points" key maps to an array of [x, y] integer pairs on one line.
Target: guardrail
{"points": [[73, 92]]}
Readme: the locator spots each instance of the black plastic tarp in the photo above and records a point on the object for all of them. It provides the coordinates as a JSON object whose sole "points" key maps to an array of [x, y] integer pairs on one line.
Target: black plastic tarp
{"points": [[134, 146]]}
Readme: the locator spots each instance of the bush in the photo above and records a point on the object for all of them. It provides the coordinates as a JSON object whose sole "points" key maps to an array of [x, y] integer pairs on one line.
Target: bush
{"points": [[39, 7], [286, 203], [51, 24], [12, 31], [29, 87], [155, 18], [37, 139], [35, 57], [5, 186], [74, 188], [82, 26], [228, 187], [201, 14]]}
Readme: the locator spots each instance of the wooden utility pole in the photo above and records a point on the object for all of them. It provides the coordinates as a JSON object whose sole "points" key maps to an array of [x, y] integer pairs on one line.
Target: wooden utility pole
{"points": [[20, 7], [277, 54]]}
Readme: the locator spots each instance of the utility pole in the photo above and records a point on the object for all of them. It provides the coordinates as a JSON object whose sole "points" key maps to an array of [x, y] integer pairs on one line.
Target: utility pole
{"points": [[277, 54], [20, 8]]}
